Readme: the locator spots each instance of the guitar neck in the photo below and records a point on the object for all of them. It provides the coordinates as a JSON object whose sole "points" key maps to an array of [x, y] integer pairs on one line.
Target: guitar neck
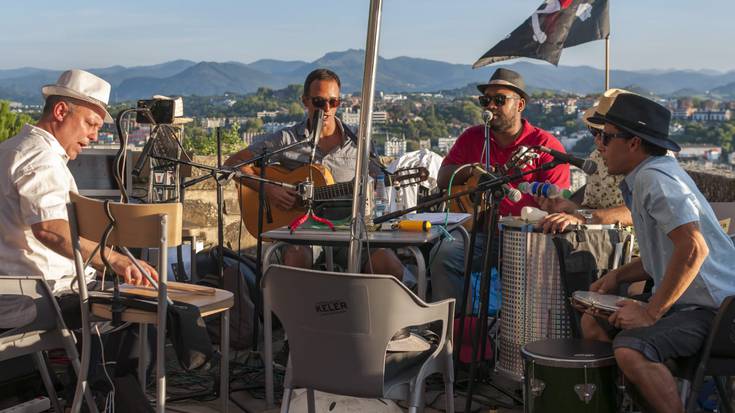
{"points": [[334, 191]]}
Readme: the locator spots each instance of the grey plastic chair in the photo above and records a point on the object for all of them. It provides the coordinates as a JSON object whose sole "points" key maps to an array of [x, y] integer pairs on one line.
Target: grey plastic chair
{"points": [[339, 326], [44, 331]]}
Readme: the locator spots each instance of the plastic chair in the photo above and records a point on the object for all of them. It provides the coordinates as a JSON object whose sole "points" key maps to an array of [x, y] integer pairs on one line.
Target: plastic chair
{"points": [[716, 359], [45, 331], [339, 326], [141, 226]]}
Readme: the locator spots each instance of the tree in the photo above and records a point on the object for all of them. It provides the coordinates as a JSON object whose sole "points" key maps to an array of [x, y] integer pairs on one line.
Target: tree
{"points": [[10, 122]]}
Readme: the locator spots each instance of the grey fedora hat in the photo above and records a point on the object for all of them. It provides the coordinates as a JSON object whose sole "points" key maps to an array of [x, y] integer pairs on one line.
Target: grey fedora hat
{"points": [[641, 117], [506, 78]]}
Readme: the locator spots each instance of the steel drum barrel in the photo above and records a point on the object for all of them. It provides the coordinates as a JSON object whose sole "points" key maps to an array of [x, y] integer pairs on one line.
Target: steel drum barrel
{"points": [[533, 304]]}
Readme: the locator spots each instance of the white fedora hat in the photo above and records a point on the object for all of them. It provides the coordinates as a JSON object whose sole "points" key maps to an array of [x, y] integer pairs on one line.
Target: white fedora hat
{"points": [[82, 85]]}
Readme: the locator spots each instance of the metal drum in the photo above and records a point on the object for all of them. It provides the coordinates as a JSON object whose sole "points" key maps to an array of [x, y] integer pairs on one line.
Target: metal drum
{"points": [[571, 376], [533, 300]]}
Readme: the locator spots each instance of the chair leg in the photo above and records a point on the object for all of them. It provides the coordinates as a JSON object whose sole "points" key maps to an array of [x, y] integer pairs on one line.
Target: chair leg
{"points": [[725, 399], [224, 366], [696, 386], [286, 401], [311, 405], [448, 394], [417, 395], [47, 382], [71, 351]]}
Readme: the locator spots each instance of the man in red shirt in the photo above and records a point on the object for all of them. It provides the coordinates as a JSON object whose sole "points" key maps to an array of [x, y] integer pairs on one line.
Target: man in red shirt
{"points": [[505, 97]]}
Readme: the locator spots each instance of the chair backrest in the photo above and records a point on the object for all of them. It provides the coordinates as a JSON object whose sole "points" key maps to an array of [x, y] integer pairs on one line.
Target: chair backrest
{"points": [[339, 325], [48, 314], [722, 338], [139, 224]]}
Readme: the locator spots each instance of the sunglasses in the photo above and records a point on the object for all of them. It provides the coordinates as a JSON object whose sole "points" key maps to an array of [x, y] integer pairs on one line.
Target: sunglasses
{"points": [[499, 100], [321, 103], [607, 137], [595, 132]]}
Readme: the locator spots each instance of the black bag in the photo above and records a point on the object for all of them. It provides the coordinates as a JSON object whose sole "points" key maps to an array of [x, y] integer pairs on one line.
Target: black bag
{"points": [[184, 327], [239, 278], [585, 256]]}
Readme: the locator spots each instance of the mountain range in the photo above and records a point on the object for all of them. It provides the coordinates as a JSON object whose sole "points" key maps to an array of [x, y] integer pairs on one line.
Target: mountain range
{"points": [[400, 74]]}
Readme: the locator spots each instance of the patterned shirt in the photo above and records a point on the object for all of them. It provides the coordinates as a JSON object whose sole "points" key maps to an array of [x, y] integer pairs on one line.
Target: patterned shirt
{"points": [[602, 190]]}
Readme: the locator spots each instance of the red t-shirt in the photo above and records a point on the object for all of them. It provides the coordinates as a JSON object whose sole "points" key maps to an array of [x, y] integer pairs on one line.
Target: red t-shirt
{"points": [[469, 149]]}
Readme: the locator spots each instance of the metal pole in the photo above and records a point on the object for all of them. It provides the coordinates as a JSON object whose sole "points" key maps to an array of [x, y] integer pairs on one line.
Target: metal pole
{"points": [[357, 226], [607, 62]]}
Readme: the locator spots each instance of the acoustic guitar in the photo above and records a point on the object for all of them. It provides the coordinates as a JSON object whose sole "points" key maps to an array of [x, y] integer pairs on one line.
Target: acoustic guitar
{"points": [[523, 157], [325, 190]]}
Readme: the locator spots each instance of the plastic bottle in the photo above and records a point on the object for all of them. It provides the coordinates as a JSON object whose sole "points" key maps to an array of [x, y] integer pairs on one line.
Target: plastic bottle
{"points": [[399, 199], [380, 199], [544, 189]]}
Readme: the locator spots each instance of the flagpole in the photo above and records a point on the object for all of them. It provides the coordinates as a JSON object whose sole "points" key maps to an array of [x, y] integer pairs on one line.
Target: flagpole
{"points": [[357, 226], [607, 62]]}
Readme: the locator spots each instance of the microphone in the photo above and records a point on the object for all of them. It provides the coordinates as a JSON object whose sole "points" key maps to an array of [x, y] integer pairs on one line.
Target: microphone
{"points": [[487, 116], [588, 166], [544, 189], [317, 122], [140, 163], [511, 193]]}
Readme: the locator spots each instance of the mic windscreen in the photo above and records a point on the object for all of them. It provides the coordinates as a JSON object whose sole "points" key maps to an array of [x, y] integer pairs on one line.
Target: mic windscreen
{"points": [[589, 166], [514, 195], [487, 116]]}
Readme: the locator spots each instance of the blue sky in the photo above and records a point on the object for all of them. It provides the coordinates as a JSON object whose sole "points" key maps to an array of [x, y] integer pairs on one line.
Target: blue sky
{"points": [[646, 34]]}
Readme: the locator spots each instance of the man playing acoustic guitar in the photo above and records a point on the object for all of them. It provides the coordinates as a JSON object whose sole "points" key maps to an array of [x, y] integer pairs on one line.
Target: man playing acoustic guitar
{"points": [[337, 151]]}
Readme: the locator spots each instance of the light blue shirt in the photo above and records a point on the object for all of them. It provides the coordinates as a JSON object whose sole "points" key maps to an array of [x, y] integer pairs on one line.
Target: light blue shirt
{"points": [[661, 197]]}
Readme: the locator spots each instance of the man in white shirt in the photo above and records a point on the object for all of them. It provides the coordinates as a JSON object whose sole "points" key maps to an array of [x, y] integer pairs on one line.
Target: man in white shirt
{"points": [[35, 182]]}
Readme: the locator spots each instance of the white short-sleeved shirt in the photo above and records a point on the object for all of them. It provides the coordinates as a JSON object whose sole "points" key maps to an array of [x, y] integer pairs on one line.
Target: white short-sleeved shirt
{"points": [[34, 187]]}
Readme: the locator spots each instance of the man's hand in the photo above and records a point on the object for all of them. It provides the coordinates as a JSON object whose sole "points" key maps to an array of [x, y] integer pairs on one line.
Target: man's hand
{"points": [[558, 222], [632, 314], [125, 268], [606, 284], [280, 197], [554, 205]]}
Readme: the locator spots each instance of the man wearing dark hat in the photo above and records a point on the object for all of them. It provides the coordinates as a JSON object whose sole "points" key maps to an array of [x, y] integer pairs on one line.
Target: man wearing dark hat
{"points": [[505, 96], [682, 248]]}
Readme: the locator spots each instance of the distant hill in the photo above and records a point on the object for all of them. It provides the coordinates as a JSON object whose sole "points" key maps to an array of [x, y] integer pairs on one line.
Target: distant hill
{"points": [[400, 74]]}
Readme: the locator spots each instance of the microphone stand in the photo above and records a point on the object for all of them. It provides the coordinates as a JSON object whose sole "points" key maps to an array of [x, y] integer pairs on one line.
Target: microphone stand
{"points": [[493, 189]]}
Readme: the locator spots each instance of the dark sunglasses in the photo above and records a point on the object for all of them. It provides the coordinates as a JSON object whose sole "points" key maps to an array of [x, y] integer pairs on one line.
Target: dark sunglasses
{"points": [[321, 103], [499, 100], [607, 137], [595, 132]]}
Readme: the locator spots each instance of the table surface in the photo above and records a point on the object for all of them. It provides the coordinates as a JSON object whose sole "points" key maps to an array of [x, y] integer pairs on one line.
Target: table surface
{"points": [[390, 238]]}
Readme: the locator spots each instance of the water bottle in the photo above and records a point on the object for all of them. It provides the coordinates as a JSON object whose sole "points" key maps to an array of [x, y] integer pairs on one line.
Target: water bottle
{"points": [[380, 199], [400, 204]]}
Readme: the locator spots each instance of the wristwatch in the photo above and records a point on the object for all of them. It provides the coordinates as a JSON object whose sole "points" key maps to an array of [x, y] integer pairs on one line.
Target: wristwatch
{"points": [[586, 214]]}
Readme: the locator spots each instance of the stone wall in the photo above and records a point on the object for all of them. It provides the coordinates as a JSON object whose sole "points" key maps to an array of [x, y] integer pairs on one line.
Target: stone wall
{"points": [[717, 185]]}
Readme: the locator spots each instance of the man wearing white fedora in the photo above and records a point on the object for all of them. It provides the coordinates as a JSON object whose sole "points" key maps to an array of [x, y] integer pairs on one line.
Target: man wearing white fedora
{"points": [[35, 183]]}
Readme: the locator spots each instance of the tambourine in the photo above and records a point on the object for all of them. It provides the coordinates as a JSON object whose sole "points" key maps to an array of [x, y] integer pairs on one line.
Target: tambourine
{"points": [[605, 304]]}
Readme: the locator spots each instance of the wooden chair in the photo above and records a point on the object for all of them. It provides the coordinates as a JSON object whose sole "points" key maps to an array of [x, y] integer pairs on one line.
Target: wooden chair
{"points": [[143, 226]]}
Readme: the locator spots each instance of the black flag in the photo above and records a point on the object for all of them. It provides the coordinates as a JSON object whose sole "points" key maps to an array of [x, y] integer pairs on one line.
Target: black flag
{"points": [[556, 24]]}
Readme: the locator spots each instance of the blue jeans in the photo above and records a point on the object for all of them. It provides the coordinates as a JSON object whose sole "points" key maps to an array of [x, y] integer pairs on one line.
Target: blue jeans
{"points": [[447, 266]]}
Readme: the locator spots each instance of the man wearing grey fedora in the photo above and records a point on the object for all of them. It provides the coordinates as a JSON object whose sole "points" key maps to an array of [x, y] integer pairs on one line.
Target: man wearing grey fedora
{"points": [[682, 248], [504, 95]]}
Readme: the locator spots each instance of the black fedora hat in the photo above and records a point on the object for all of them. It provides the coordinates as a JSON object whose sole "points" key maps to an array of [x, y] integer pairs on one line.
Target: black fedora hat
{"points": [[642, 117], [506, 78]]}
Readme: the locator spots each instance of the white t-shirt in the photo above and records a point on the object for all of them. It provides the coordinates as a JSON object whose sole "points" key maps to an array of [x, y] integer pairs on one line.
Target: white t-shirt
{"points": [[34, 187]]}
